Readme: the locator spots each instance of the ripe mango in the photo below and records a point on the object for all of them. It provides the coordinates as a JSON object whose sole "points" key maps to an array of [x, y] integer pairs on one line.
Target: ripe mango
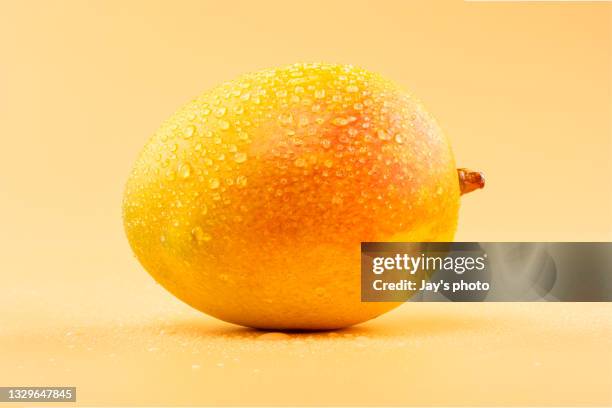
{"points": [[251, 201]]}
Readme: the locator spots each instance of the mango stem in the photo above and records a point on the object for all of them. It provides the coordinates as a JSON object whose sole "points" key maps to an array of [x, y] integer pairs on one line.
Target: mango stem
{"points": [[470, 180]]}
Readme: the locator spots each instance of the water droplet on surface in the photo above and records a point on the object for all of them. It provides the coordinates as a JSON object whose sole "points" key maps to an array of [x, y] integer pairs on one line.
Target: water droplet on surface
{"points": [[285, 118], [352, 88], [185, 170], [241, 181], [319, 94], [219, 112], [299, 162], [223, 124], [200, 236], [340, 121], [189, 131], [240, 157], [382, 135], [214, 183]]}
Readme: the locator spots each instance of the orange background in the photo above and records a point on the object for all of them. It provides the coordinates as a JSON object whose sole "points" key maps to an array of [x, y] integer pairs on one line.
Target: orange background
{"points": [[522, 89]]}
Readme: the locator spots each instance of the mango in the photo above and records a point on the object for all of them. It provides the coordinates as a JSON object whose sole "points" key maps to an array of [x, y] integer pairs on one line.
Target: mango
{"points": [[250, 202]]}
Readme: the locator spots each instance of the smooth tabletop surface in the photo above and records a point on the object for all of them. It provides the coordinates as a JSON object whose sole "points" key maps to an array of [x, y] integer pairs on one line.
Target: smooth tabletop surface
{"points": [[125, 341]]}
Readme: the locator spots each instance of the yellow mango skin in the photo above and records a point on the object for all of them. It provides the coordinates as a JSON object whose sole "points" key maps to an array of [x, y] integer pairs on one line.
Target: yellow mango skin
{"points": [[250, 203]]}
